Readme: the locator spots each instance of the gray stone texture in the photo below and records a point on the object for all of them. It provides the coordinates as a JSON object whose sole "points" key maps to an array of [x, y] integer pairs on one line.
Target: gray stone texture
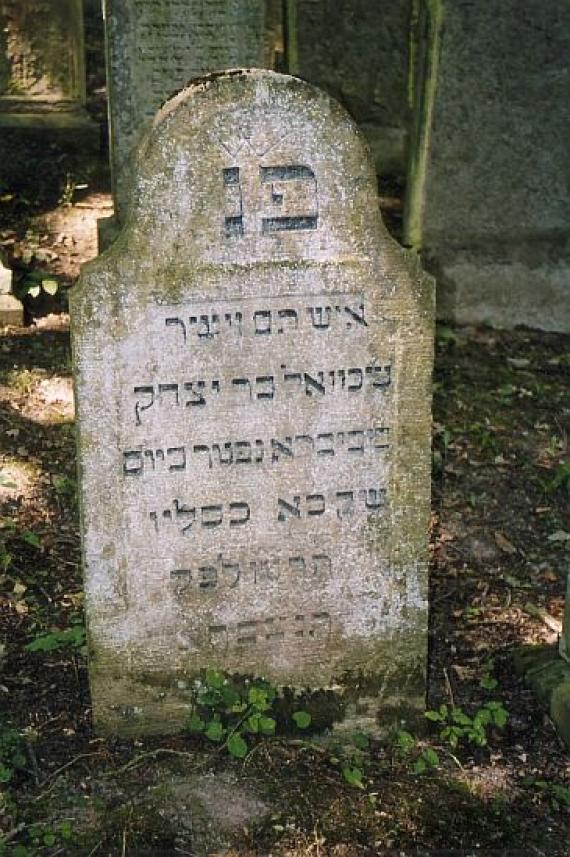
{"points": [[11, 309], [358, 52], [496, 210], [253, 362], [155, 47], [41, 55]]}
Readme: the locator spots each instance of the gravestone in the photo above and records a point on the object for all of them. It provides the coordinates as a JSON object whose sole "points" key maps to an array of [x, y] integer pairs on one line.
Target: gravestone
{"points": [[253, 362], [154, 48], [358, 52], [42, 72], [11, 309], [493, 213]]}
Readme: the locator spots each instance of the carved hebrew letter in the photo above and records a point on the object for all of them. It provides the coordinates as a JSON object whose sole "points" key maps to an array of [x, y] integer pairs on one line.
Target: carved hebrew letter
{"points": [[315, 504], [381, 375], [314, 386], [287, 510], [203, 447], [169, 322], [176, 450], [355, 316], [320, 316], [291, 198], [185, 512], [138, 459], [328, 445], [233, 203], [345, 503], [243, 514], [212, 516], [374, 498], [262, 321], [266, 379], [322, 564], [281, 448], [196, 397], [287, 315], [143, 391], [358, 377]]}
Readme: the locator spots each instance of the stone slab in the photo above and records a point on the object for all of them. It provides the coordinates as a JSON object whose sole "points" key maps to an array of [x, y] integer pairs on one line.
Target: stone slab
{"points": [[253, 361], [41, 55], [155, 47], [358, 52], [549, 677], [11, 311], [496, 231]]}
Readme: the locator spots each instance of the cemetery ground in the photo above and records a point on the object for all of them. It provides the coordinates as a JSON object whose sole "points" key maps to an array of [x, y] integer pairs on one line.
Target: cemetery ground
{"points": [[499, 547]]}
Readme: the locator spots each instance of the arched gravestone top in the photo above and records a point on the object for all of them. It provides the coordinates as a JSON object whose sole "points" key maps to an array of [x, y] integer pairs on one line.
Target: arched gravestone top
{"points": [[253, 368]]}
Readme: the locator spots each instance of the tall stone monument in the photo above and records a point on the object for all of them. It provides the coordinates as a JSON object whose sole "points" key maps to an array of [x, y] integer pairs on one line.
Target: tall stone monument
{"points": [[253, 362], [42, 70], [492, 214], [154, 48]]}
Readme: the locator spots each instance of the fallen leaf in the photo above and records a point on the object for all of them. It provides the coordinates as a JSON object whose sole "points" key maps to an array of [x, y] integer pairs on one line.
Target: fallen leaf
{"points": [[504, 544], [559, 536]]}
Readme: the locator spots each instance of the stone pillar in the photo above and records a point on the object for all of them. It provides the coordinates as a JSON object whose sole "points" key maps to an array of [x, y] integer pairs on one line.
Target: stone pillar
{"points": [[42, 72], [154, 48], [11, 309], [491, 217]]}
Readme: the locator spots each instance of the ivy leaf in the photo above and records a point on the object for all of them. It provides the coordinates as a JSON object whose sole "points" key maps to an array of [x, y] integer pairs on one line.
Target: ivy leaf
{"points": [[195, 723], [50, 286], [431, 757], [302, 719], [237, 746], [267, 725], [353, 777], [420, 766], [215, 731], [215, 679], [31, 539], [488, 683], [434, 716]]}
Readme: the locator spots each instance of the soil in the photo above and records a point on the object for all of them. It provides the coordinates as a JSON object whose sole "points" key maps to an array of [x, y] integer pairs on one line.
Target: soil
{"points": [[499, 547]]}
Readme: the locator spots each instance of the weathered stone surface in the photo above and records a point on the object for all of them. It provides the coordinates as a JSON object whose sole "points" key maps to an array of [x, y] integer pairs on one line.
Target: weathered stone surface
{"points": [[155, 47], [496, 230], [253, 364], [41, 55], [549, 677], [11, 309], [358, 52]]}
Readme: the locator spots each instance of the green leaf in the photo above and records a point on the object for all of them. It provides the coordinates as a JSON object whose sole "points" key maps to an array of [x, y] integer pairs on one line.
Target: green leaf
{"points": [[195, 723], [5, 774], [420, 766], [500, 717], [50, 286], [34, 291], [215, 731], [253, 722], [229, 696], [49, 838], [488, 682], [361, 740], [65, 829], [353, 777], [267, 725], [257, 696], [434, 716], [431, 757], [215, 679], [302, 719], [31, 539], [405, 741], [237, 746]]}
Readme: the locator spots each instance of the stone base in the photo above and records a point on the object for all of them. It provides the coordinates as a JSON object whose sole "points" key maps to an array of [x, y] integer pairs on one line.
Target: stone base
{"points": [[73, 129], [549, 677], [107, 231], [11, 311], [505, 293]]}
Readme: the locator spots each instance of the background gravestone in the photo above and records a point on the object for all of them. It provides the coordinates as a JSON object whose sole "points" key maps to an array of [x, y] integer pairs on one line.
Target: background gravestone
{"points": [[496, 231], [42, 72], [155, 47], [253, 364]]}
